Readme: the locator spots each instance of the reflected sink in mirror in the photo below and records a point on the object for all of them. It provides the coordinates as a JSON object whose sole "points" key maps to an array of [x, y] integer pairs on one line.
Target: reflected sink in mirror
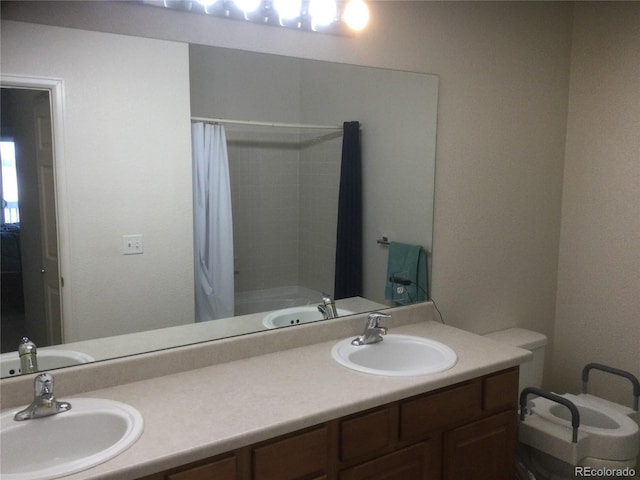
{"points": [[47, 360], [288, 317], [396, 355], [92, 432]]}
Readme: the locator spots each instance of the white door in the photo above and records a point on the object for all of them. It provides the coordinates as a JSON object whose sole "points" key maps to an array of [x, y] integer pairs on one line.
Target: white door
{"points": [[50, 269]]}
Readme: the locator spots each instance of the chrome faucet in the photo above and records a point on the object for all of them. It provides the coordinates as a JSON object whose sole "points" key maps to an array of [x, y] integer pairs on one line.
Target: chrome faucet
{"points": [[323, 310], [328, 307], [44, 402], [373, 331]]}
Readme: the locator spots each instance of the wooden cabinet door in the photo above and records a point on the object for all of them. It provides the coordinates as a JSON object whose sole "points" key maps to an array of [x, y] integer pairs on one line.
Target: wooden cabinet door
{"points": [[483, 450]]}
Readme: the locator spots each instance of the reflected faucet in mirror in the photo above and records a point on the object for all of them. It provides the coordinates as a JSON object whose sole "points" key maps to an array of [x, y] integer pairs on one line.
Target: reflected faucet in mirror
{"points": [[328, 307], [28, 356]]}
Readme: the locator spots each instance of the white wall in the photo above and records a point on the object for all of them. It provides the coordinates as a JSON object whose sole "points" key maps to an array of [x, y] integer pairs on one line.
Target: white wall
{"points": [[502, 123], [598, 311], [105, 291]]}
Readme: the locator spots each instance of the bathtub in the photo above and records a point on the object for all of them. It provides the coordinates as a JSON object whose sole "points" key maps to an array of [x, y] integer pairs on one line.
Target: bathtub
{"points": [[255, 301]]}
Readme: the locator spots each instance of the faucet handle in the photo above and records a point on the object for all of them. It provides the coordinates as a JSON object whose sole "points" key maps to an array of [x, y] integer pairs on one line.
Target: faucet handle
{"points": [[43, 384], [374, 319]]}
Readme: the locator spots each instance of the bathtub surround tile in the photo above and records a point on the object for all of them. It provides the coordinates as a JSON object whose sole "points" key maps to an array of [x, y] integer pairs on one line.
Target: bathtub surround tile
{"points": [[285, 209]]}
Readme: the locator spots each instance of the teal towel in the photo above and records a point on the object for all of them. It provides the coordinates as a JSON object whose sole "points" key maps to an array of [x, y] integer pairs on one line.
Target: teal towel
{"points": [[406, 262]]}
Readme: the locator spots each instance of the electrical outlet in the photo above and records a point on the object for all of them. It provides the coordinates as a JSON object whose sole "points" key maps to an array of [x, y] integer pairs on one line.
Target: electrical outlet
{"points": [[132, 244]]}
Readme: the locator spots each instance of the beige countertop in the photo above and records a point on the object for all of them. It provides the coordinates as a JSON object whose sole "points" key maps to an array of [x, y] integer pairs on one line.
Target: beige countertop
{"points": [[206, 411]]}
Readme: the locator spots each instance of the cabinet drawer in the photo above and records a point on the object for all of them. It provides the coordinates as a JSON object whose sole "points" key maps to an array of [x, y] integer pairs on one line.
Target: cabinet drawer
{"points": [[224, 469], [367, 434], [418, 462], [302, 455], [500, 390], [435, 411]]}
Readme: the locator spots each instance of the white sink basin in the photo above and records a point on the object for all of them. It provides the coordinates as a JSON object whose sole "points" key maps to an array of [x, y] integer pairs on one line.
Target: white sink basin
{"points": [[297, 316], [47, 360], [396, 355], [92, 432]]}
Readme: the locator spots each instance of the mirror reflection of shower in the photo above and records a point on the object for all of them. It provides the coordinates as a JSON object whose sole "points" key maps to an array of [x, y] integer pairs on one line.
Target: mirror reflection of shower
{"points": [[284, 182]]}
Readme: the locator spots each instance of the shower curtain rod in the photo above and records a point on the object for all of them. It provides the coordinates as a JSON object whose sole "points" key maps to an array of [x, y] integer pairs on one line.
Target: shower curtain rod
{"points": [[264, 124]]}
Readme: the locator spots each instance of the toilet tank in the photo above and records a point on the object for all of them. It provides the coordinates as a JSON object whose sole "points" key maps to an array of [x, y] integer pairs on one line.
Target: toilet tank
{"points": [[531, 371]]}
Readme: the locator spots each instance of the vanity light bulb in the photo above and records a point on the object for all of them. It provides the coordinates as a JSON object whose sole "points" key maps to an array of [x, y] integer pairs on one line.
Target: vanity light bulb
{"points": [[287, 9], [322, 12], [248, 6], [356, 14], [206, 3]]}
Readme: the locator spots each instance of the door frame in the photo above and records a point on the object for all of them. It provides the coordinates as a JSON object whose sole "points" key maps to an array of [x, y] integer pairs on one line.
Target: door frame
{"points": [[55, 87]]}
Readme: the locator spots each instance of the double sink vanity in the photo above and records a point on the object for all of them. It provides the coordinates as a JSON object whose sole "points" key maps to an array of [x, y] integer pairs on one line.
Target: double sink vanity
{"points": [[428, 401]]}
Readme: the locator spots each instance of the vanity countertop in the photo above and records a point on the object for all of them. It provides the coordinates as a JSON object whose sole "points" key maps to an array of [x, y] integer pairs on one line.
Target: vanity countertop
{"points": [[207, 411]]}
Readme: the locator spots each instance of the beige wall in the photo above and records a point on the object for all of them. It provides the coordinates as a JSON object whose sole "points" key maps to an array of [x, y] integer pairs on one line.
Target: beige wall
{"points": [[502, 124], [598, 307]]}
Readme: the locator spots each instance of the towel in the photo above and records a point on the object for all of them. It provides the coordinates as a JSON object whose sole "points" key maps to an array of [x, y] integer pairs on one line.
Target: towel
{"points": [[406, 281]]}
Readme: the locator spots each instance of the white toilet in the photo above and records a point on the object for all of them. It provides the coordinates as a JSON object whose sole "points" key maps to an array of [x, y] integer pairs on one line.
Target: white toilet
{"points": [[606, 439]]}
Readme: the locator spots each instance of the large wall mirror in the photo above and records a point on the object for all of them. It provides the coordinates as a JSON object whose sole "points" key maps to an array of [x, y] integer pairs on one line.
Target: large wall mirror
{"points": [[121, 143]]}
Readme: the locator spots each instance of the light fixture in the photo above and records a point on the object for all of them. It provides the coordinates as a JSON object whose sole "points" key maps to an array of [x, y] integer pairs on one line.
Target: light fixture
{"points": [[288, 9], [337, 17], [356, 14], [248, 6], [206, 3], [322, 12]]}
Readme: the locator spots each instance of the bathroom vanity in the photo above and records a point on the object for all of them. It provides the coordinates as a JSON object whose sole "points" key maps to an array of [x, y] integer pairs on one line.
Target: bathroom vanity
{"points": [[276, 405], [464, 431]]}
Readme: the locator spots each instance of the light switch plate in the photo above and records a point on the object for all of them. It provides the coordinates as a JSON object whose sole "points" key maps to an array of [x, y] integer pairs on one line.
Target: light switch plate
{"points": [[132, 244]]}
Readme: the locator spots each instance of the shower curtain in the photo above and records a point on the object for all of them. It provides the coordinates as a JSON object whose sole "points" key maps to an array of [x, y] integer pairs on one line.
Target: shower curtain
{"points": [[213, 226], [348, 271]]}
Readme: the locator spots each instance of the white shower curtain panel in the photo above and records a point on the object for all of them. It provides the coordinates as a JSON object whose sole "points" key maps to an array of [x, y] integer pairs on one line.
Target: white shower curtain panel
{"points": [[213, 225]]}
